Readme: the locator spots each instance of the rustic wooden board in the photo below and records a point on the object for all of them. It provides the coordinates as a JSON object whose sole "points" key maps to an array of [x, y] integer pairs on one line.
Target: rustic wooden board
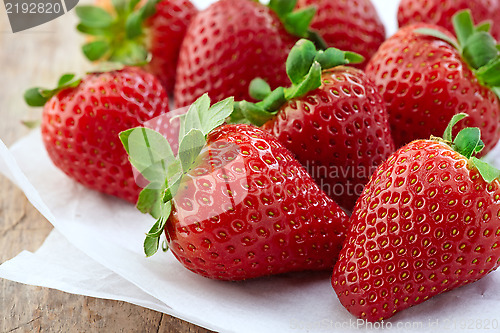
{"points": [[37, 58]]}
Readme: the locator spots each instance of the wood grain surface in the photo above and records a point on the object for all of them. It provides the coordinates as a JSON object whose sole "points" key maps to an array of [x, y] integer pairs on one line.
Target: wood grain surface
{"points": [[38, 57]]}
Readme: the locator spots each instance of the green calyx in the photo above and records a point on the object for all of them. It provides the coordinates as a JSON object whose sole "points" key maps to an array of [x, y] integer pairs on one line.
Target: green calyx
{"points": [[150, 153], [297, 22], [304, 67], [119, 36], [39, 96], [468, 143], [477, 47]]}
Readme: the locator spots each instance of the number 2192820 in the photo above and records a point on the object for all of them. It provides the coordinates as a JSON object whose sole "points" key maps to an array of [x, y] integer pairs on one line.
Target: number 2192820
{"points": [[33, 8]]}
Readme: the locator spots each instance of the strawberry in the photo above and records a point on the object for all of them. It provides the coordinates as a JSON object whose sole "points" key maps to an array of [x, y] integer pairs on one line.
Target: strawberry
{"points": [[348, 25], [130, 33], [234, 204], [428, 222], [440, 12], [82, 119], [426, 77], [229, 42], [332, 119]]}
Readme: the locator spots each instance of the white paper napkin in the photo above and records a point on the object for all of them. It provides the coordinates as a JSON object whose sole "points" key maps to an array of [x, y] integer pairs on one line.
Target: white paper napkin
{"points": [[110, 233]]}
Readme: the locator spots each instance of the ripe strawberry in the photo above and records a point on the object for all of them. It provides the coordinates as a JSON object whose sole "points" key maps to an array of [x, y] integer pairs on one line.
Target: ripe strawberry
{"points": [[428, 222], [440, 12], [336, 124], [129, 32], [348, 25], [425, 80], [82, 118], [238, 207], [229, 42]]}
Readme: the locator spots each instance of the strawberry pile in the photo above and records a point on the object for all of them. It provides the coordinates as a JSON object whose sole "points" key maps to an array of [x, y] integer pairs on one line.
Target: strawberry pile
{"points": [[284, 135]]}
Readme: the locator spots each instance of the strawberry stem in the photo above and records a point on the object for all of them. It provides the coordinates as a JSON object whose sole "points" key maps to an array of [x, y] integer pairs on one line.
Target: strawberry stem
{"points": [[304, 67], [117, 37], [477, 47], [468, 143], [37, 97], [150, 153], [297, 22]]}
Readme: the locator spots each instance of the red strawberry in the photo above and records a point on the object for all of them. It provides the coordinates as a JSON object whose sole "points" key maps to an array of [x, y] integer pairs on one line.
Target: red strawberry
{"points": [[425, 80], [336, 124], [440, 12], [128, 33], [82, 118], [348, 25], [428, 222], [240, 206], [232, 40]]}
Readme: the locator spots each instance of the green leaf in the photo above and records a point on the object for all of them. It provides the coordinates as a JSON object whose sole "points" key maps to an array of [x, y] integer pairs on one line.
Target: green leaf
{"points": [[480, 49], [135, 21], [157, 229], [315, 37], [149, 152], [190, 147], [156, 173], [151, 245], [311, 82], [353, 57], [467, 141], [300, 60], [148, 199], [282, 7], [464, 26], [490, 73], [484, 26], [237, 116], [448, 136], [92, 31], [149, 9], [65, 80], [297, 23], [132, 4], [480, 147], [120, 6], [274, 101], [259, 89], [172, 186], [487, 171], [216, 115], [255, 113], [38, 96], [182, 127], [437, 34], [130, 53], [159, 226], [34, 98], [193, 116], [330, 58], [152, 241], [94, 17], [133, 25], [95, 50]]}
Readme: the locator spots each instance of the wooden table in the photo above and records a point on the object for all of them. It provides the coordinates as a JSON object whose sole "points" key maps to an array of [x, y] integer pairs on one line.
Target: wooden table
{"points": [[38, 57]]}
